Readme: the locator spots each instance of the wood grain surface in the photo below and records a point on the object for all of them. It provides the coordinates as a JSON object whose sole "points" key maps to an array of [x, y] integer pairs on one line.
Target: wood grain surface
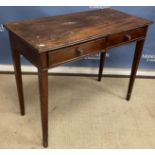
{"points": [[60, 31]]}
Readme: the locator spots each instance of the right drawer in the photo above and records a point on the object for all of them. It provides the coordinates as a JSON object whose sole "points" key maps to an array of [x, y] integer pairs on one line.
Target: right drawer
{"points": [[128, 36]]}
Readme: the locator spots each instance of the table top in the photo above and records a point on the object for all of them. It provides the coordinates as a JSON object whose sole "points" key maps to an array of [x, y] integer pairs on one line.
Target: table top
{"points": [[50, 33]]}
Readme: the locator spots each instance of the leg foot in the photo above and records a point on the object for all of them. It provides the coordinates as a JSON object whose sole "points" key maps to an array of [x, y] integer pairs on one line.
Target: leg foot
{"points": [[128, 97]]}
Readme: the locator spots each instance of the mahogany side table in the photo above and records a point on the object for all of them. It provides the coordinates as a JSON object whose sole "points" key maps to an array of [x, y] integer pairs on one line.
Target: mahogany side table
{"points": [[53, 41]]}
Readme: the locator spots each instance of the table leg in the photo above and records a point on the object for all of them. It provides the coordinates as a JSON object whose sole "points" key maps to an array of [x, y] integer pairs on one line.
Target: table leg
{"points": [[18, 76], [136, 60], [43, 87], [102, 61]]}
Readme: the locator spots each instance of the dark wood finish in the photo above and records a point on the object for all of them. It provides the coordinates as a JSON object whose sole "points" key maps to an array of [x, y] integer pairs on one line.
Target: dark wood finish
{"points": [[75, 52], [18, 77], [25, 49], [60, 31], [71, 53], [102, 61], [43, 88], [136, 60], [52, 41], [125, 37]]}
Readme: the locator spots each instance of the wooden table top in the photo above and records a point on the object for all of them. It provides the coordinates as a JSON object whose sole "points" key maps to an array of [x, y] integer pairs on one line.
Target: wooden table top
{"points": [[55, 32]]}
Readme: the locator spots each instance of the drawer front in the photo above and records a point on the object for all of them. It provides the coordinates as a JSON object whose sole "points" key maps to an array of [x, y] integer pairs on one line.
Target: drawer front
{"points": [[124, 37], [74, 52]]}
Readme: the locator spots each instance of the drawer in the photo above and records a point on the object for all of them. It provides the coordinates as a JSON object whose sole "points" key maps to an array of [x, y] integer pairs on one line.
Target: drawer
{"points": [[74, 52], [124, 37]]}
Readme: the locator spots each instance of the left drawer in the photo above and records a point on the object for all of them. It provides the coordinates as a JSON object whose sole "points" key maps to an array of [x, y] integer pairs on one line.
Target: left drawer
{"points": [[78, 51]]}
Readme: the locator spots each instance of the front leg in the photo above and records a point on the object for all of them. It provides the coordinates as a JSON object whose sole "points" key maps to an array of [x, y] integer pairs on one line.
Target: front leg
{"points": [[102, 61], [135, 64], [43, 87]]}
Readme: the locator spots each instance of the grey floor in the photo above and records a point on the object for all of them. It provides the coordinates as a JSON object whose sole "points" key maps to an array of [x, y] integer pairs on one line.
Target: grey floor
{"points": [[83, 113]]}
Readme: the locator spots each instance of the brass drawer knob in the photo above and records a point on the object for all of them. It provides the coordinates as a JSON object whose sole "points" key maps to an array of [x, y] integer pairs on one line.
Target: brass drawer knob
{"points": [[80, 51], [128, 37]]}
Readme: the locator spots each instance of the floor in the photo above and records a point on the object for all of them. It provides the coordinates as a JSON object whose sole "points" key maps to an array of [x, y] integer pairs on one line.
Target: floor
{"points": [[83, 113]]}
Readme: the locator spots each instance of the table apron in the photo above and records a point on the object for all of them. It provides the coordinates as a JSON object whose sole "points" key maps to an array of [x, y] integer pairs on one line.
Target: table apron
{"points": [[82, 50]]}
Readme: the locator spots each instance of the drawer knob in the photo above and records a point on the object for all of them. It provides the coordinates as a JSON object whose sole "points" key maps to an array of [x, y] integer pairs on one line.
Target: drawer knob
{"points": [[128, 37], [80, 51]]}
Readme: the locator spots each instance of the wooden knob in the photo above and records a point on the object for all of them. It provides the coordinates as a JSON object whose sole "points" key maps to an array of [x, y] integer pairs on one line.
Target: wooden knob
{"points": [[128, 37], [80, 51]]}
